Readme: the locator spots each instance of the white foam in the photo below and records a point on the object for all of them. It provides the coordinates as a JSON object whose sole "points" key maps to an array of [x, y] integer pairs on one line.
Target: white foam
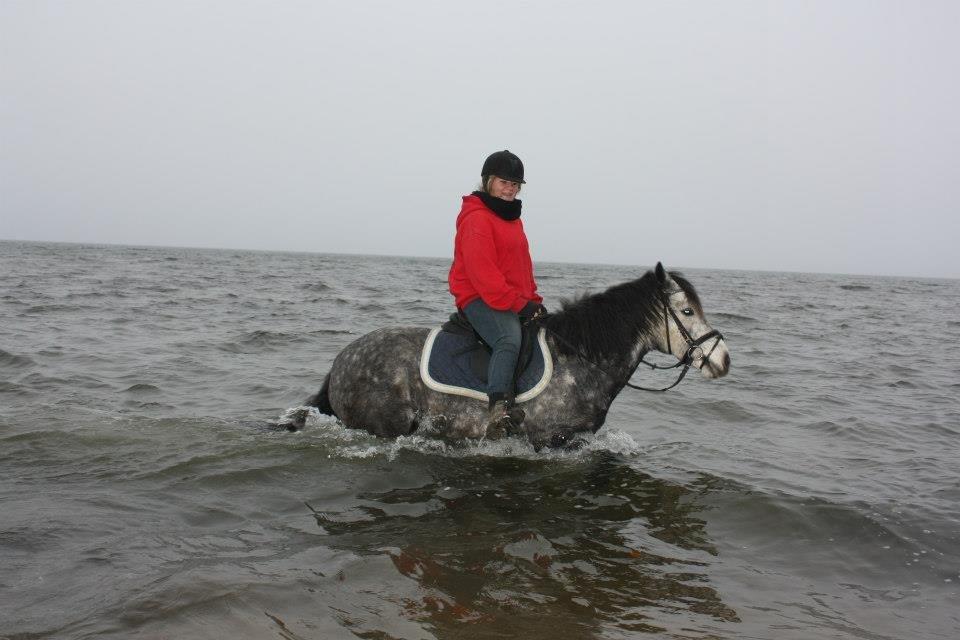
{"points": [[358, 444]]}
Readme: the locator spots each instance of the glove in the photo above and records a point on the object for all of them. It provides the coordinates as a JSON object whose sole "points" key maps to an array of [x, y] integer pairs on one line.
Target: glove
{"points": [[532, 311]]}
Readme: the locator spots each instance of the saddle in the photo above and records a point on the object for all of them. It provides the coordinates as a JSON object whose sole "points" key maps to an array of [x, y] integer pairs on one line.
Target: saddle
{"points": [[455, 360]]}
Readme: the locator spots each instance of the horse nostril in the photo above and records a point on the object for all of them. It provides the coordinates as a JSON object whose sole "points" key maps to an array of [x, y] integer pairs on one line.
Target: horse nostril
{"points": [[726, 361]]}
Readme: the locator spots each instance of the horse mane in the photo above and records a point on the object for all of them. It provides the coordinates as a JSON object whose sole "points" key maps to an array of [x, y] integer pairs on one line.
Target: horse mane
{"points": [[602, 326]]}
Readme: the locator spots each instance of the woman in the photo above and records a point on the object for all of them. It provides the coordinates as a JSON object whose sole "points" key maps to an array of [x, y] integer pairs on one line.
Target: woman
{"points": [[492, 281]]}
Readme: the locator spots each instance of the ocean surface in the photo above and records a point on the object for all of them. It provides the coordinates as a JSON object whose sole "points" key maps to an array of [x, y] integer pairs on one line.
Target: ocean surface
{"points": [[812, 493]]}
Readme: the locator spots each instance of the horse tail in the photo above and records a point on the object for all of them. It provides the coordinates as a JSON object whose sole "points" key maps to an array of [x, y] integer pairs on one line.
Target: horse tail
{"points": [[321, 399]]}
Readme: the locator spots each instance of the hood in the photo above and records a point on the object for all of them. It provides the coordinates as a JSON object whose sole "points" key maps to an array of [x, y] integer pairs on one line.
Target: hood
{"points": [[471, 205]]}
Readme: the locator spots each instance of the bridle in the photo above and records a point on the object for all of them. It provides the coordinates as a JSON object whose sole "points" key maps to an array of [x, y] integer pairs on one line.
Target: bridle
{"points": [[694, 350]]}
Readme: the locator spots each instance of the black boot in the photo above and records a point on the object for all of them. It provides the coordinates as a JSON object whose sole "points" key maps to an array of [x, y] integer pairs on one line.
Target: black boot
{"points": [[504, 418]]}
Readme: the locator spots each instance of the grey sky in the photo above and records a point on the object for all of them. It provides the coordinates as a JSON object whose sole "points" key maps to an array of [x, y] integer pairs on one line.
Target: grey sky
{"points": [[797, 136]]}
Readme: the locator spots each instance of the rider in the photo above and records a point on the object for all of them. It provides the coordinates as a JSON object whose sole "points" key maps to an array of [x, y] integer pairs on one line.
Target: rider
{"points": [[491, 278]]}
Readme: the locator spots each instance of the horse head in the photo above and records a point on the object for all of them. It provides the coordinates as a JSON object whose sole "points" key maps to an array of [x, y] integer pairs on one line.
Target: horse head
{"points": [[685, 332]]}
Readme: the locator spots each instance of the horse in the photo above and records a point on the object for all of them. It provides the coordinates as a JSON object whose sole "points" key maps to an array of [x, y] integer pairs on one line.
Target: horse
{"points": [[596, 341]]}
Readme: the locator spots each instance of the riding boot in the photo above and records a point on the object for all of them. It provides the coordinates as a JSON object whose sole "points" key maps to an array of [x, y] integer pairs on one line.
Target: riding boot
{"points": [[503, 418]]}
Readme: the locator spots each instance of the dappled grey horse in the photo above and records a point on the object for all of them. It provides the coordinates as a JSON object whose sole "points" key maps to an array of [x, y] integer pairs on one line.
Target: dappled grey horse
{"points": [[596, 343]]}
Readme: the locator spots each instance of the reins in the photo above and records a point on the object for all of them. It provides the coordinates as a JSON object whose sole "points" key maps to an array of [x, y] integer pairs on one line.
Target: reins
{"points": [[693, 346]]}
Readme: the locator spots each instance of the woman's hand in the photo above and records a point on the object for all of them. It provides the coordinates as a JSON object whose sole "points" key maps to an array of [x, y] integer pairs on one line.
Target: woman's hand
{"points": [[532, 311]]}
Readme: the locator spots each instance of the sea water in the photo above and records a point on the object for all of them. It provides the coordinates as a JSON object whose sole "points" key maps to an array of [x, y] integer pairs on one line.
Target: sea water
{"points": [[812, 493]]}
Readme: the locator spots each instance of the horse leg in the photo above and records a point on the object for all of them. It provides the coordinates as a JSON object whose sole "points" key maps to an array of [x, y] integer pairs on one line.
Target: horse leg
{"points": [[297, 420], [566, 439], [386, 421]]}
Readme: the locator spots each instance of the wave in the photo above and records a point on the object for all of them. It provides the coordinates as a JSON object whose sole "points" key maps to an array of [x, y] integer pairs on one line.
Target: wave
{"points": [[855, 287], [733, 317], [901, 384], [372, 307], [53, 308], [86, 295], [726, 411], [260, 340], [142, 388], [14, 389], [149, 406], [853, 431], [866, 531], [331, 332], [158, 288], [14, 361]]}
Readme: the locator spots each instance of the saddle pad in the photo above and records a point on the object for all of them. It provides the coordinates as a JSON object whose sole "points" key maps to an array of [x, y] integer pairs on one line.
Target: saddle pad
{"points": [[445, 367]]}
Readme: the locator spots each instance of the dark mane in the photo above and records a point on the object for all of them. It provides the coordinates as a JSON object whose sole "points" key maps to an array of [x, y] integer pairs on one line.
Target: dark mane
{"points": [[602, 326]]}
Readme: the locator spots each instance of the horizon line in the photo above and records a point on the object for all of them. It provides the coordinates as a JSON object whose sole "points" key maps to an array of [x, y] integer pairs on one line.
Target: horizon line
{"points": [[423, 257]]}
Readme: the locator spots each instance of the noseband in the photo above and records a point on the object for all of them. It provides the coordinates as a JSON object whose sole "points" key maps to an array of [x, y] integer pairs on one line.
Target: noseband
{"points": [[694, 350]]}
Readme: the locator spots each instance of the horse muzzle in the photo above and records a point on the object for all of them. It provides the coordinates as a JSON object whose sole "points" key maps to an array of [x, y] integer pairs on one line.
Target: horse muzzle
{"points": [[714, 361]]}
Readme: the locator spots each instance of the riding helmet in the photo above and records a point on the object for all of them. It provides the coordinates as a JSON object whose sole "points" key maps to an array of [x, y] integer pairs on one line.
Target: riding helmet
{"points": [[503, 164]]}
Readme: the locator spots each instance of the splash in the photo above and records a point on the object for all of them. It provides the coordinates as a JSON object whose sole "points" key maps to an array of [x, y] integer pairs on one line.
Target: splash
{"points": [[357, 444]]}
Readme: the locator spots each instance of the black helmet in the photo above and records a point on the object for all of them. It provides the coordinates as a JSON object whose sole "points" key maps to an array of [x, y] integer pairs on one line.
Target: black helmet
{"points": [[503, 164]]}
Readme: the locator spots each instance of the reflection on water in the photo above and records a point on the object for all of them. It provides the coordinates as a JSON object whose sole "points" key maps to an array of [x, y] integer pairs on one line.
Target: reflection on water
{"points": [[526, 548]]}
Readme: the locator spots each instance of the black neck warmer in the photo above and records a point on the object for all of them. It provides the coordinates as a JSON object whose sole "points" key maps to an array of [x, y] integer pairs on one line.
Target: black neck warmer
{"points": [[506, 209]]}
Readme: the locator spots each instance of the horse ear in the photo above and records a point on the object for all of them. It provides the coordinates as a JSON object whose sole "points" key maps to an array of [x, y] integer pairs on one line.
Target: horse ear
{"points": [[661, 273]]}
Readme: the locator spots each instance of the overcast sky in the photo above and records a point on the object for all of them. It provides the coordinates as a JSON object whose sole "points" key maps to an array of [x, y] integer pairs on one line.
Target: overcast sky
{"points": [[791, 136]]}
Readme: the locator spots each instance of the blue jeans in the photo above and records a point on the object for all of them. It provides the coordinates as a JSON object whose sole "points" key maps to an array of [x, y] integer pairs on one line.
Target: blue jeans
{"points": [[500, 330]]}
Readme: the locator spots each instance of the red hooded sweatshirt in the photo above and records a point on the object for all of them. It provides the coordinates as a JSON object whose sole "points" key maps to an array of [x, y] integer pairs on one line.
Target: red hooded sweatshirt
{"points": [[491, 260]]}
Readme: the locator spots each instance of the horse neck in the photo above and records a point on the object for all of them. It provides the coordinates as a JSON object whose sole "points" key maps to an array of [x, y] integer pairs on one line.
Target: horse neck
{"points": [[599, 382], [622, 369], [635, 336]]}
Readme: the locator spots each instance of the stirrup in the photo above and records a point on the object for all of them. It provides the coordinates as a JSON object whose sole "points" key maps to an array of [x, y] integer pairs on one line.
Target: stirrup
{"points": [[504, 420]]}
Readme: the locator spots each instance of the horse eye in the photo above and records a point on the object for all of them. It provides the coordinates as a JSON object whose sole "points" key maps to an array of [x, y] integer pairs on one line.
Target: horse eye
{"points": [[687, 312]]}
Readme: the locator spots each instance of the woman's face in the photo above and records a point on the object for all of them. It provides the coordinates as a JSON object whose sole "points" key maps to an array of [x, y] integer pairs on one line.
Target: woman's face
{"points": [[504, 189]]}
